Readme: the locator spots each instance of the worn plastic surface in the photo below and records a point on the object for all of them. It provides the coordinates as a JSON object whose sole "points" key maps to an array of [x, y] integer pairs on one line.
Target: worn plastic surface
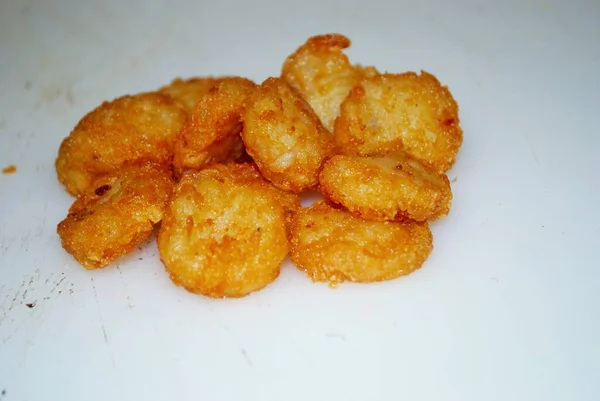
{"points": [[506, 308]]}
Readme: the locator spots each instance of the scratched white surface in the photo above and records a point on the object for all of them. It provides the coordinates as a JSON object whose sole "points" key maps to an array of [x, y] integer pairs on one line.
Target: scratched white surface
{"points": [[507, 307]]}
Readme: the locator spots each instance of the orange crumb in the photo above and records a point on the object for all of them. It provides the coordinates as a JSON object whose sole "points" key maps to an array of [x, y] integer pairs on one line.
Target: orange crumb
{"points": [[11, 169]]}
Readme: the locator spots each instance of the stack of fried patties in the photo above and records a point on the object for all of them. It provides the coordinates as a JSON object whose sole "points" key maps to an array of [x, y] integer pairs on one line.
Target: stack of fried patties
{"points": [[221, 162]]}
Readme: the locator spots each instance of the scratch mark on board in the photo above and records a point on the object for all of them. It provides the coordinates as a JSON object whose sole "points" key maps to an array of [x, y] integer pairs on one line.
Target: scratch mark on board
{"points": [[32, 293], [104, 334], [57, 284], [531, 150], [112, 360], [246, 357], [129, 305]]}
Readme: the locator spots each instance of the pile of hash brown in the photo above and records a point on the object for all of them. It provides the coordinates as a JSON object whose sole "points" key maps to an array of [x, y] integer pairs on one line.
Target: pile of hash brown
{"points": [[218, 164]]}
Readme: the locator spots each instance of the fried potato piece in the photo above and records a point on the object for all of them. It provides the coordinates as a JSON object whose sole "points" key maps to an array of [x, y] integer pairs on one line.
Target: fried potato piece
{"points": [[408, 112], [249, 173], [116, 214], [228, 149], [188, 92], [285, 137], [216, 117], [127, 129], [224, 231], [386, 188], [333, 245], [323, 74]]}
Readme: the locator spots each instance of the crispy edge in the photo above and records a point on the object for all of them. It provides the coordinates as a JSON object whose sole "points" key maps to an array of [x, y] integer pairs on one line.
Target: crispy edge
{"points": [[348, 124], [282, 179], [88, 203], [404, 209], [77, 169], [244, 174], [216, 117], [424, 240]]}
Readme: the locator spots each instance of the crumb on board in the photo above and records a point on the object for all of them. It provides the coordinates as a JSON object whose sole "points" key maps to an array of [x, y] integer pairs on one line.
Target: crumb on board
{"points": [[10, 169]]}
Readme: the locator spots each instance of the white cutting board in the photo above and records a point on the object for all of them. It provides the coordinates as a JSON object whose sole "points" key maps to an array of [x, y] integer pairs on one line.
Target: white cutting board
{"points": [[506, 308]]}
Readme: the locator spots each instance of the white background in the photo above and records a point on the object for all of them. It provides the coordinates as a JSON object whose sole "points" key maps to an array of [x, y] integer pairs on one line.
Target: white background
{"points": [[506, 308]]}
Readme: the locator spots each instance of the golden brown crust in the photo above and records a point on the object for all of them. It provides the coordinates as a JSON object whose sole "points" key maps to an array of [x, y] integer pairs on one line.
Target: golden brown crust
{"points": [[220, 161], [285, 137], [224, 231], [323, 74], [116, 214], [228, 149], [125, 130], [332, 245], [188, 92], [408, 112], [394, 187], [216, 117], [248, 173]]}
